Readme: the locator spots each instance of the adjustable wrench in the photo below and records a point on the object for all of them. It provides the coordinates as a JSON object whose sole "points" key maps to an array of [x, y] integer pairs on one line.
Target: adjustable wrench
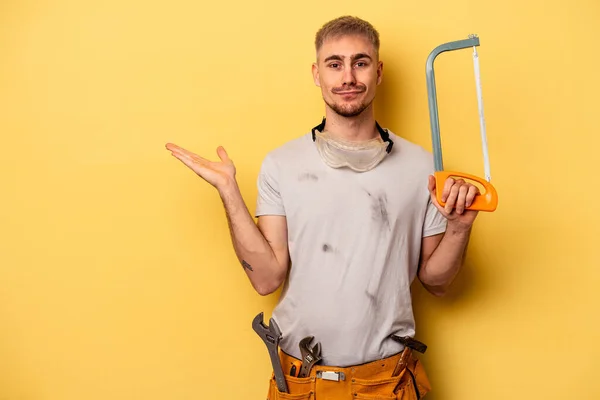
{"points": [[271, 335], [310, 356]]}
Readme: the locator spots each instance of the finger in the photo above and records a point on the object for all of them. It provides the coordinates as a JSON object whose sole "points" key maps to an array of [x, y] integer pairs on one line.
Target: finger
{"points": [[473, 192], [222, 154], [173, 146], [200, 160], [188, 159], [195, 158], [452, 197], [431, 185], [183, 158], [200, 169], [462, 198], [447, 188], [188, 154], [179, 150]]}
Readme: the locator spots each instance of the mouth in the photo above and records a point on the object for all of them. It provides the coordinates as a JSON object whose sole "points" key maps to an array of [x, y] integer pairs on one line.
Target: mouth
{"points": [[349, 94], [349, 91]]}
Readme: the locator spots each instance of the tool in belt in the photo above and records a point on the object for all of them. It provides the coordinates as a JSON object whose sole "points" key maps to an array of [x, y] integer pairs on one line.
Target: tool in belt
{"points": [[409, 344], [310, 356], [271, 335]]}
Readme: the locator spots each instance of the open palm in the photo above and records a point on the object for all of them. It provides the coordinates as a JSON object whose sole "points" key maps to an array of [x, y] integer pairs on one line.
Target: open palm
{"points": [[216, 173]]}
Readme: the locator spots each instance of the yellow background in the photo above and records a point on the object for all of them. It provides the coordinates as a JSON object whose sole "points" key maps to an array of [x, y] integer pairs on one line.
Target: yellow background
{"points": [[117, 276]]}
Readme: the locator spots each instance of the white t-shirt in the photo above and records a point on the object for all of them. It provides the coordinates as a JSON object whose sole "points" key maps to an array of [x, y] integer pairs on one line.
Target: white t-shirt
{"points": [[354, 242]]}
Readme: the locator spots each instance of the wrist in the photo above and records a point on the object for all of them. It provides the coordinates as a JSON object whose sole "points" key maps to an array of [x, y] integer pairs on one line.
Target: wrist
{"points": [[228, 187]]}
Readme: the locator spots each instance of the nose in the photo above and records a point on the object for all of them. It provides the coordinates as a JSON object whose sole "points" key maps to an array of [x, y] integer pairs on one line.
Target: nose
{"points": [[348, 78]]}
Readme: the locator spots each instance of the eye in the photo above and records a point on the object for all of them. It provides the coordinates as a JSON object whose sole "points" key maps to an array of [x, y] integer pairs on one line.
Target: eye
{"points": [[361, 64], [334, 65]]}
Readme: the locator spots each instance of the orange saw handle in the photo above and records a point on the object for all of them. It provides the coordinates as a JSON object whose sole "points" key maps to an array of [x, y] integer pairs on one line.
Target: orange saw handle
{"points": [[487, 201]]}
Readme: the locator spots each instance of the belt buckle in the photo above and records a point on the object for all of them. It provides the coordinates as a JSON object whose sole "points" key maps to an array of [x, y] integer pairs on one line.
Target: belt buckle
{"points": [[331, 376]]}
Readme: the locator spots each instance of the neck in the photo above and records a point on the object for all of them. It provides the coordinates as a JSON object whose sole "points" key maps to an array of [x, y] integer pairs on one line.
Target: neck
{"points": [[358, 128]]}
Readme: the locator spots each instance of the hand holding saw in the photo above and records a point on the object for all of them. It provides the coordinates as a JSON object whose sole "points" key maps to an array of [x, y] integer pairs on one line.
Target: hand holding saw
{"points": [[487, 201]]}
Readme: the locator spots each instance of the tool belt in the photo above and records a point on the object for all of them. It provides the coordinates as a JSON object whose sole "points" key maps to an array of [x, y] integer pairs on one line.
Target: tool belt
{"points": [[400, 376]]}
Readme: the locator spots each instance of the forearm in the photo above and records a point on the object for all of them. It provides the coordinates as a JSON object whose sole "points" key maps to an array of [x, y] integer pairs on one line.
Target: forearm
{"points": [[252, 249], [447, 259]]}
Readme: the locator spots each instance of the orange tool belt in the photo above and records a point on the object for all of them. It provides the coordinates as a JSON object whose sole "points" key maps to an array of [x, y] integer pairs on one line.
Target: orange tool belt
{"points": [[400, 376]]}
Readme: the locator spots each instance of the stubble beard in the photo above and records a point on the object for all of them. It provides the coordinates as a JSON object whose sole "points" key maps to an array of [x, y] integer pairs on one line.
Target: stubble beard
{"points": [[347, 110]]}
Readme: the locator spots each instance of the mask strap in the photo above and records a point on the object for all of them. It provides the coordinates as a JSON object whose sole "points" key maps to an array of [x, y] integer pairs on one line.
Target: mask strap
{"points": [[385, 136], [319, 128]]}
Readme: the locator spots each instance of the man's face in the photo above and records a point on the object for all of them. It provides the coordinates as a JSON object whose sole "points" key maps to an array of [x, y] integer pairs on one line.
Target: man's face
{"points": [[348, 72]]}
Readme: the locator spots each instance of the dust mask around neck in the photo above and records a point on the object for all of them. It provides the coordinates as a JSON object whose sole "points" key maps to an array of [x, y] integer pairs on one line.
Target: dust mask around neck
{"points": [[359, 156]]}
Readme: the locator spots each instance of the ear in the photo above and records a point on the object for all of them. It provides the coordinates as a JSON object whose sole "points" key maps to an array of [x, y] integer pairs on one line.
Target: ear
{"points": [[379, 72], [315, 72]]}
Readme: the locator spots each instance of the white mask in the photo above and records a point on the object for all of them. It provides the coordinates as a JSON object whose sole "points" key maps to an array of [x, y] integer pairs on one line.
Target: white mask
{"points": [[359, 156]]}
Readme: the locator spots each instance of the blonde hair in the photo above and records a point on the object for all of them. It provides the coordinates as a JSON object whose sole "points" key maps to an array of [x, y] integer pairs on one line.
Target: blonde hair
{"points": [[347, 25]]}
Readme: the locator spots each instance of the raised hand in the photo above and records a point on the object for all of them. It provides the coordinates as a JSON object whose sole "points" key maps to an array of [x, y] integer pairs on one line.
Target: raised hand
{"points": [[218, 174]]}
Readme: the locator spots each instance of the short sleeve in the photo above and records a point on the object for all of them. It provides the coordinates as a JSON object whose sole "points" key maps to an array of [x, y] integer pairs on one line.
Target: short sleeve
{"points": [[435, 222], [269, 200]]}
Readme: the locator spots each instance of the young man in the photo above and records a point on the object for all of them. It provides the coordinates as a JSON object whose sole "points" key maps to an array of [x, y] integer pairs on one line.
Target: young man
{"points": [[347, 218]]}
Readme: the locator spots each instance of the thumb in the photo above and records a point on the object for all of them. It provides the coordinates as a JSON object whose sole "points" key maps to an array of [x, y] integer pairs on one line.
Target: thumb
{"points": [[432, 192], [432, 185], [222, 154]]}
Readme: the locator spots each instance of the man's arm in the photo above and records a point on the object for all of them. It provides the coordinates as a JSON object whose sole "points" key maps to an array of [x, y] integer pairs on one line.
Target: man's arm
{"points": [[443, 255], [261, 248]]}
